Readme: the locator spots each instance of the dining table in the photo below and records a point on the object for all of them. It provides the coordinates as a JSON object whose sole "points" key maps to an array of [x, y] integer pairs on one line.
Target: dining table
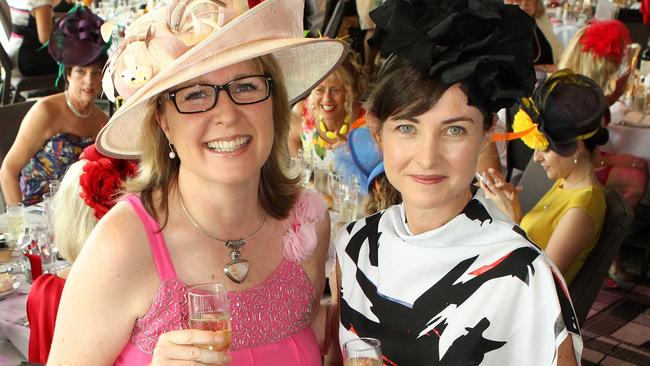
{"points": [[626, 137], [14, 328]]}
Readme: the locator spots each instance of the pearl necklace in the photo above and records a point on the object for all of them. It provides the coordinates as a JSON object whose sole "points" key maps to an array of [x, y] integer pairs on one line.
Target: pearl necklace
{"points": [[74, 110]]}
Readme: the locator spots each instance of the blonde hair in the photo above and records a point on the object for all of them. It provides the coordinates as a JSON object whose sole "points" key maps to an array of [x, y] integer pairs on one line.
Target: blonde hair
{"points": [[73, 219], [158, 173], [353, 79], [600, 69]]}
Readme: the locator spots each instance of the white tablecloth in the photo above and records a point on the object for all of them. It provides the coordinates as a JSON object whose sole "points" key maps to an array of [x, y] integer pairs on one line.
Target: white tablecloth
{"points": [[624, 139], [12, 317], [13, 335]]}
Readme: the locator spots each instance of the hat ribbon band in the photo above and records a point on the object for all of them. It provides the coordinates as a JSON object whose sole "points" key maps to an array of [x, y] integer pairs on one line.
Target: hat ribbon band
{"points": [[580, 137], [511, 135]]}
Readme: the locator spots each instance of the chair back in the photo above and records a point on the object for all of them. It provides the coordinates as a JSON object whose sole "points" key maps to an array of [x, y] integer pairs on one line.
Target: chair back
{"points": [[12, 116], [535, 183], [5, 18], [588, 281], [334, 22], [7, 66], [21, 83]]}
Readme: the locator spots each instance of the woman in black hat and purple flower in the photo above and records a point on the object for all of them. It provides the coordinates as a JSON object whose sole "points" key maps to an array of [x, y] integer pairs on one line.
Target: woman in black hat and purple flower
{"points": [[57, 128], [445, 278]]}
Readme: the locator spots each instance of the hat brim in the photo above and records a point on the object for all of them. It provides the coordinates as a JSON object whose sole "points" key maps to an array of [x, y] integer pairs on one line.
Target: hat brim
{"points": [[304, 63]]}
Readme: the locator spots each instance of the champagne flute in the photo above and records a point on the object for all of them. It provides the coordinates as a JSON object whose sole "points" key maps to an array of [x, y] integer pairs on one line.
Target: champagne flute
{"points": [[334, 187], [16, 221], [48, 208], [54, 187], [209, 310], [362, 352], [349, 202], [307, 165], [320, 180]]}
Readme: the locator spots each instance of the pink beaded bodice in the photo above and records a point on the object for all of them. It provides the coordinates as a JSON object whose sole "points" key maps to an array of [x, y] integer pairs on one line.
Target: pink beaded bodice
{"points": [[275, 309]]}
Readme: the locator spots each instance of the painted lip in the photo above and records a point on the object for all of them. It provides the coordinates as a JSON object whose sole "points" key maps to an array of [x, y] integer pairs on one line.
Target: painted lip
{"points": [[236, 152], [428, 179]]}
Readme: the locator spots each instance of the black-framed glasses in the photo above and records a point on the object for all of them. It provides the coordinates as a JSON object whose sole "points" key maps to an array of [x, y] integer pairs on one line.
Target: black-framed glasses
{"points": [[203, 97]]}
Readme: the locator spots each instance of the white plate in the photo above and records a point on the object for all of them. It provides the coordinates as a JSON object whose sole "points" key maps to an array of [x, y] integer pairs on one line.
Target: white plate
{"points": [[7, 293]]}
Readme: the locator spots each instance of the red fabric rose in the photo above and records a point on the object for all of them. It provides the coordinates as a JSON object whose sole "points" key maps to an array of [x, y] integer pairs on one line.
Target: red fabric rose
{"points": [[102, 179]]}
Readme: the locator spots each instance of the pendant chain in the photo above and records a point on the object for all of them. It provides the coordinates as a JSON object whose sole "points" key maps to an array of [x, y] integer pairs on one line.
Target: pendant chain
{"points": [[234, 244]]}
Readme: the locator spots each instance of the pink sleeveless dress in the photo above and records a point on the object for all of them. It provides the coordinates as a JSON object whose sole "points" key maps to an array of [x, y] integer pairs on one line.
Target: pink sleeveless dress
{"points": [[270, 322]]}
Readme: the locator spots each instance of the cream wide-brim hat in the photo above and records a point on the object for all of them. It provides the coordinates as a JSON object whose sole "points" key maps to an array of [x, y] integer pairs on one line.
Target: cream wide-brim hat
{"points": [[273, 27]]}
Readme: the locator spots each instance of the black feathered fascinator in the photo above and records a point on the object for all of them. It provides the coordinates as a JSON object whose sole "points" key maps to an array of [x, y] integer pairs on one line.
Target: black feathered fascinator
{"points": [[483, 43]]}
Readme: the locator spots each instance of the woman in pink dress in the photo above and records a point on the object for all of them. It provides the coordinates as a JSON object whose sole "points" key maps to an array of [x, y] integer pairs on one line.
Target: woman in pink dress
{"points": [[211, 202]]}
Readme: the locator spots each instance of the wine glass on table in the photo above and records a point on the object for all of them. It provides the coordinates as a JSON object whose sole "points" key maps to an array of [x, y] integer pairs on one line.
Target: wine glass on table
{"points": [[16, 222], [334, 187], [349, 202], [209, 310], [362, 352]]}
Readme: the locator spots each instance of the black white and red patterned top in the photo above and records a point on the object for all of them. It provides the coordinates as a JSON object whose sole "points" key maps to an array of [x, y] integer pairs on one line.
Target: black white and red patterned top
{"points": [[475, 291]]}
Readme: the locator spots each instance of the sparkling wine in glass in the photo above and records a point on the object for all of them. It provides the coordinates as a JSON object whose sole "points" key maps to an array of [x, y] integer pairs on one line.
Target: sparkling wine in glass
{"points": [[349, 203], [209, 310], [334, 187], [362, 352], [16, 221]]}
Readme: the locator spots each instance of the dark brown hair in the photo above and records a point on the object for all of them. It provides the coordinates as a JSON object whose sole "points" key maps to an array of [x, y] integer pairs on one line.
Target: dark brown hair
{"points": [[405, 92], [99, 61]]}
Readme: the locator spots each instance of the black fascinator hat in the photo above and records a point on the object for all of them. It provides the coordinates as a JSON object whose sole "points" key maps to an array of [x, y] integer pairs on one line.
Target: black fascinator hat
{"points": [[485, 44], [567, 108], [76, 38]]}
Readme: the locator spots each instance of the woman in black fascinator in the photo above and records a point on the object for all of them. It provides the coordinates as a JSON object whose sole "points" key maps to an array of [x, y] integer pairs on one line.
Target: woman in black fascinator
{"points": [[445, 278]]}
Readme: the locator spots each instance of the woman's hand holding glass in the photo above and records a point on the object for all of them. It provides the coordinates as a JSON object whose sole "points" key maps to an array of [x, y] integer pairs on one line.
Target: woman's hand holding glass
{"points": [[190, 345], [208, 339], [503, 194]]}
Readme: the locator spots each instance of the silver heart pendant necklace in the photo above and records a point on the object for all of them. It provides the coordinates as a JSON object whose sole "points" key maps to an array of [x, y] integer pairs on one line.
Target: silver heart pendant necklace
{"points": [[237, 268]]}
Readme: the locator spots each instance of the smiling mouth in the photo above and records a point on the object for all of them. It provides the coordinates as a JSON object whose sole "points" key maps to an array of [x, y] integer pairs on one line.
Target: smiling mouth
{"points": [[428, 179], [327, 108], [228, 145]]}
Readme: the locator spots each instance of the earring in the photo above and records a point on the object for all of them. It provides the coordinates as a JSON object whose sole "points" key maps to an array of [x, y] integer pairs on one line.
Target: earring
{"points": [[172, 152], [575, 160]]}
